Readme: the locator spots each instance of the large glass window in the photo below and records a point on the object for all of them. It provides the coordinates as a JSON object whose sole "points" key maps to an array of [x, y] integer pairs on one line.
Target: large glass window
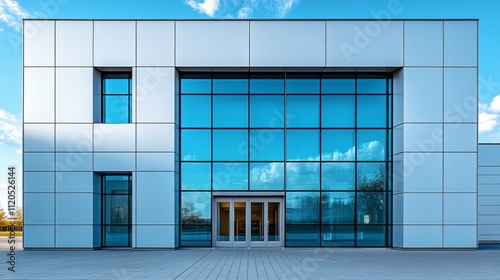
{"points": [[116, 211], [323, 140], [116, 97]]}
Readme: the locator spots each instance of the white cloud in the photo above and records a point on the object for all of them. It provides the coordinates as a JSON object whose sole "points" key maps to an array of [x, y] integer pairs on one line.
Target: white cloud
{"points": [[208, 7], [487, 121], [12, 14], [495, 104], [10, 129], [283, 6], [244, 12]]}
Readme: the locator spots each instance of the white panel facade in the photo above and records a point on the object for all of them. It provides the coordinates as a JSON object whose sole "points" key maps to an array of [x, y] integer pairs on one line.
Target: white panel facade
{"points": [[282, 44], [74, 43], [364, 43], [212, 43], [67, 148]]}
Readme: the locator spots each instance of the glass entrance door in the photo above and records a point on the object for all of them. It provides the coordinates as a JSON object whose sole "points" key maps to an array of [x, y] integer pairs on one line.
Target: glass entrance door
{"points": [[248, 221]]}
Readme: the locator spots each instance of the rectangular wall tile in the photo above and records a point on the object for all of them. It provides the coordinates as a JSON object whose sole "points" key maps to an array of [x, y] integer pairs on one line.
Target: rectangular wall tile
{"points": [[39, 95], [74, 43], [423, 43], [38, 42], [74, 95], [114, 43], [155, 94], [155, 43]]}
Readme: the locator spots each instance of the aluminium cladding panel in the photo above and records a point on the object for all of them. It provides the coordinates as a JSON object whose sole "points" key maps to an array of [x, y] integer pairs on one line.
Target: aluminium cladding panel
{"points": [[114, 43], [460, 43], [155, 43], [39, 95], [460, 95], [423, 43], [364, 43], [39, 46], [489, 193], [212, 43], [74, 95], [423, 95], [287, 44], [155, 99], [74, 43]]}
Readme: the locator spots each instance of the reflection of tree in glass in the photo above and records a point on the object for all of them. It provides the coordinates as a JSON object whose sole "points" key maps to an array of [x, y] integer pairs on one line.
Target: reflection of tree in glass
{"points": [[190, 215], [371, 196], [119, 216], [339, 210]]}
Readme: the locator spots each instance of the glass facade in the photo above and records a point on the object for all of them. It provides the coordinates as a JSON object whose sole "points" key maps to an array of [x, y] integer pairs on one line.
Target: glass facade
{"points": [[116, 97], [321, 139], [116, 211]]}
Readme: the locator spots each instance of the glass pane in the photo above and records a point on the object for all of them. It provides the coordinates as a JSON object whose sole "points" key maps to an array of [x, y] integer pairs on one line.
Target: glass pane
{"points": [[302, 176], [230, 176], [372, 84], [196, 176], [230, 111], [267, 111], [371, 207], [196, 83], [337, 207], [302, 144], [267, 83], [338, 145], [337, 176], [371, 176], [196, 144], [196, 111], [302, 83], [302, 207], [116, 184], [116, 236], [302, 235], [267, 144], [116, 83], [302, 111], [230, 83], [273, 221], [240, 221], [371, 236], [196, 228], [338, 83], [257, 229], [223, 222], [372, 111], [267, 176], [116, 109], [116, 209], [337, 111], [371, 144], [337, 235], [230, 144]]}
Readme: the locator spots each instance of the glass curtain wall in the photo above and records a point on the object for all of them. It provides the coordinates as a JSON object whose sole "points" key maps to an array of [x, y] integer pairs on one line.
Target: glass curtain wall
{"points": [[323, 139]]}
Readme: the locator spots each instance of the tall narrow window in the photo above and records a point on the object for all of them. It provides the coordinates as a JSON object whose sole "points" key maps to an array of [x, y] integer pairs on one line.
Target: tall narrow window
{"points": [[116, 211], [116, 97]]}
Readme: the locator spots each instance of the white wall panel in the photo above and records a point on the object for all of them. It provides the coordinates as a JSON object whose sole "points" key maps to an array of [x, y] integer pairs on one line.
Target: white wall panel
{"points": [[488, 170], [75, 182], [74, 161], [212, 43], [155, 195], [423, 236], [38, 138], [398, 97], [416, 212], [108, 162], [287, 43], [488, 155], [460, 236], [114, 43], [38, 161], [39, 95], [74, 43], [460, 208], [423, 137], [423, 173], [74, 137], [114, 137], [155, 43], [38, 208], [156, 236], [364, 43], [423, 95], [423, 43], [74, 95], [38, 236], [155, 162], [74, 236], [155, 94], [460, 173], [38, 42], [460, 95], [156, 137], [460, 137], [38, 182], [69, 208], [460, 43]]}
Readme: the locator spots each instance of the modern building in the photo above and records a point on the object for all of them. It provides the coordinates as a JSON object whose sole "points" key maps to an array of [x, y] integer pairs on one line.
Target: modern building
{"points": [[318, 133]]}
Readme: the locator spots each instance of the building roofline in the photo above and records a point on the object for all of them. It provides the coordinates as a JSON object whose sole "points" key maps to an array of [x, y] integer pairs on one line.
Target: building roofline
{"points": [[260, 19]]}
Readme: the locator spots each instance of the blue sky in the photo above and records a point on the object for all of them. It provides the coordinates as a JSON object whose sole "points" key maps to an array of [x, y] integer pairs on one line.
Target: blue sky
{"points": [[12, 11]]}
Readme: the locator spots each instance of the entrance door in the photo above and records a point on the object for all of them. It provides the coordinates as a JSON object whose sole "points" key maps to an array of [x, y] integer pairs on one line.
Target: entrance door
{"points": [[248, 221]]}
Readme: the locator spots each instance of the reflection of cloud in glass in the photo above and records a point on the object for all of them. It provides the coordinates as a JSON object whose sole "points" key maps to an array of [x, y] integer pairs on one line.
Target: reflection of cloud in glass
{"points": [[271, 172], [373, 150]]}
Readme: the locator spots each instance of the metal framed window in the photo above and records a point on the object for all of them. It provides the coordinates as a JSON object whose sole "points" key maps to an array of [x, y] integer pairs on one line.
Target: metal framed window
{"points": [[116, 97]]}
